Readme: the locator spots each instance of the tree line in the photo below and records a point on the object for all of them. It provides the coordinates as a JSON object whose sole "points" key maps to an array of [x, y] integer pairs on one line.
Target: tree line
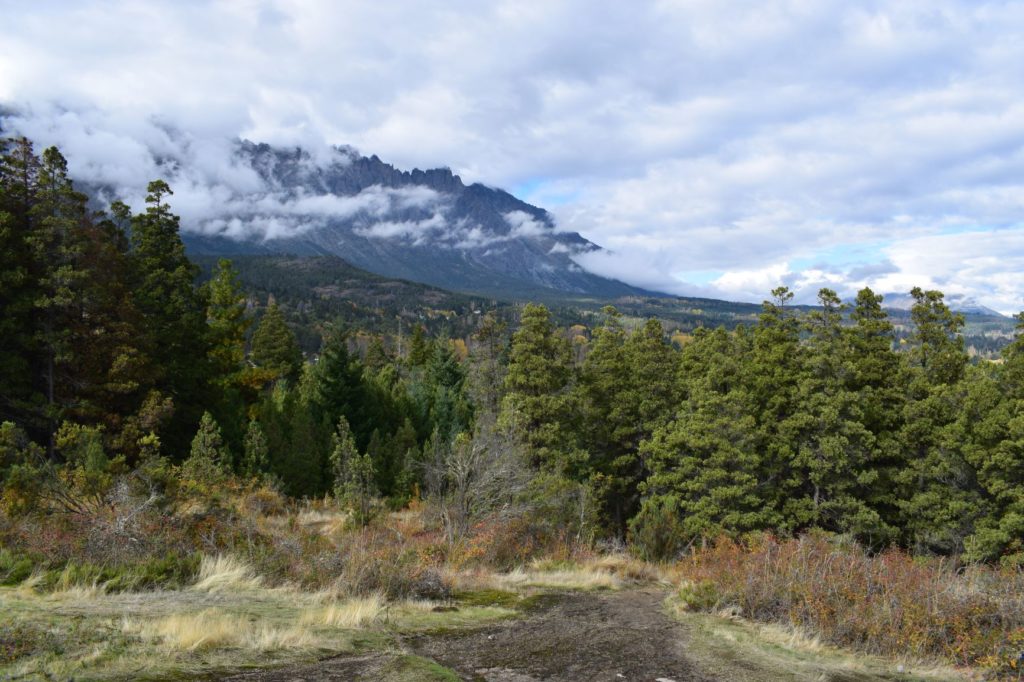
{"points": [[799, 422]]}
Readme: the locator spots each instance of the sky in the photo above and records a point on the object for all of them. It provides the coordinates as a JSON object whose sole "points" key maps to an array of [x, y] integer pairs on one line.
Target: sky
{"points": [[713, 147]]}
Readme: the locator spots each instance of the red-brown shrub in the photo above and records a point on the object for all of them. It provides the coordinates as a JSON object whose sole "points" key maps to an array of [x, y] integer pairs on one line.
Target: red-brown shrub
{"points": [[891, 604]]}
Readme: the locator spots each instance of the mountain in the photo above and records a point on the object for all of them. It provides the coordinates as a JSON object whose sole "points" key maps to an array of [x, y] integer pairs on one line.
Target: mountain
{"points": [[956, 303], [427, 226]]}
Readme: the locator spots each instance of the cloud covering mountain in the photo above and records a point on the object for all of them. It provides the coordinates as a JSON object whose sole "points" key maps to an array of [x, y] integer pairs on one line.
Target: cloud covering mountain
{"points": [[714, 148]]}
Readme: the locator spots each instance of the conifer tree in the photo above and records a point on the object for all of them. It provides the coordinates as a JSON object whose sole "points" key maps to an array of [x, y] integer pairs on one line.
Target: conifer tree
{"points": [[339, 388], [227, 322], [538, 403], [772, 378], [18, 179], [353, 474], [174, 310], [875, 376], [209, 458], [419, 347], [940, 502], [255, 458], [274, 347], [304, 462], [608, 420], [706, 463], [835, 456], [993, 428]]}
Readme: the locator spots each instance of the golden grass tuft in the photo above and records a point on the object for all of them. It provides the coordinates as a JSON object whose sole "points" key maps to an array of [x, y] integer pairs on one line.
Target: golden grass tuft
{"points": [[213, 629], [208, 629], [574, 578], [225, 573], [351, 613]]}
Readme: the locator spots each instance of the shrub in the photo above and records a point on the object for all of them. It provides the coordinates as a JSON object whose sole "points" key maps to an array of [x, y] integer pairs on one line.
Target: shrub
{"points": [[656, 532], [890, 604]]}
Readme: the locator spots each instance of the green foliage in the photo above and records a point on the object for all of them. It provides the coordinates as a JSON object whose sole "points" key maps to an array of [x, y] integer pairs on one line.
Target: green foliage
{"points": [[274, 347], [174, 309], [255, 457], [656, 533], [538, 403], [209, 459], [354, 484]]}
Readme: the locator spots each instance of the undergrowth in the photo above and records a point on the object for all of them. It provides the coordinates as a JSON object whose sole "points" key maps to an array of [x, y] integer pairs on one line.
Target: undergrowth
{"points": [[891, 604]]}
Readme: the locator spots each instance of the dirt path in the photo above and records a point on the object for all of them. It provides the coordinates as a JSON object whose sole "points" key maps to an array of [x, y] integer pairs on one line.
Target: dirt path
{"points": [[570, 636]]}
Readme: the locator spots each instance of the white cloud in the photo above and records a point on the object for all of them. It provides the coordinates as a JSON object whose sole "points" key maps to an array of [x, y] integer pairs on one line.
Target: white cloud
{"points": [[751, 139], [524, 225]]}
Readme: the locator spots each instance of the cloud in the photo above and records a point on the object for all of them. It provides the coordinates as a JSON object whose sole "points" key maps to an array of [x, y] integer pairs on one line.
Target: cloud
{"points": [[710, 146], [524, 225]]}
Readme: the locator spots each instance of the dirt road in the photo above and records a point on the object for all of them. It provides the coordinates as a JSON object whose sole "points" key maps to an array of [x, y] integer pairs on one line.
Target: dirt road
{"points": [[595, 636], [599, 636]]}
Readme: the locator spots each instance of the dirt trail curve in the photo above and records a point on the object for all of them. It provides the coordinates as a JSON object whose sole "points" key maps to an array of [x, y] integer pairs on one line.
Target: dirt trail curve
{"points": [[573, 636]]}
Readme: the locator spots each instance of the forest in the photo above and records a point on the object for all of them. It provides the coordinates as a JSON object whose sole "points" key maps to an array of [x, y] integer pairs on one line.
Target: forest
{"points": [[128, 381]]}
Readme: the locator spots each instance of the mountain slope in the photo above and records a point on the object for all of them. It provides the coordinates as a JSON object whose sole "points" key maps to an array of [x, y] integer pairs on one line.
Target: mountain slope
{"points": [[426, 226]]}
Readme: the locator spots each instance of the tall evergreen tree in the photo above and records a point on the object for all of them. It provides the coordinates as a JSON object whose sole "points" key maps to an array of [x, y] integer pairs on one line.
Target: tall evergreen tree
{"points": [[18, 180], [538, 403], [941, 502], [354, 483], [274, 347], [174, 309], [773, 382], [835, 456], [706, 463], [339, 389]]}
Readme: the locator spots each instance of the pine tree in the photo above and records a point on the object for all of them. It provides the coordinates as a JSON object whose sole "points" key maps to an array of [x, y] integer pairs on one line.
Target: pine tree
{"points": [[304, 462], [419, 347], [835, 457], [608, 421], [941, 502], [875, 376], [993, 422], [208, 459], [538, 403], [339, 388], [772, 377], [442, 398], [227, 323], [56, 249], [274, 347], [706, 463], [353, 474], [174, 310], [20, 398], [256, 452]]}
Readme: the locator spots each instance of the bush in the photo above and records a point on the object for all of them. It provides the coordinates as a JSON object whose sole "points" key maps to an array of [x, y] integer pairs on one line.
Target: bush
{"points": [[656, 532], [890, 604], [699, 596], [14, 569]]}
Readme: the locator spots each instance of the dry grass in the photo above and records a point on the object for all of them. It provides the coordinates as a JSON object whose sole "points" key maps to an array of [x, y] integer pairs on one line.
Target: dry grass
{"points": [[225, 573], [574, 578], [213, 629], [351, 613], [190, 632], [327, 522]]}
